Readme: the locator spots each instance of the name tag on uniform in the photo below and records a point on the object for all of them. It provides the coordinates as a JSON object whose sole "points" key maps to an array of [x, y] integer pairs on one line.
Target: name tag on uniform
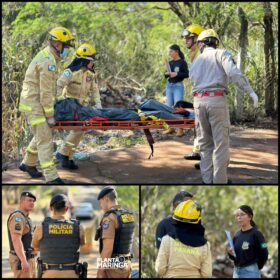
{"points": [[89, 78], [52, 68], [127, 218], [60, 229]]}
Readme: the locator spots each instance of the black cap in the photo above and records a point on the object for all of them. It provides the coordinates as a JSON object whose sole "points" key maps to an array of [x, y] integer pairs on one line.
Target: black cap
{"points": [[105, 191], [28, 194], [180, 196], [58, 198]]}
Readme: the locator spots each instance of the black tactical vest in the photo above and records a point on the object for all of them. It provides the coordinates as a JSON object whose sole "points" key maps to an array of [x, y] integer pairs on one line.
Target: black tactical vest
{"points": [[26, 238], [60, 242], [124, 234]]}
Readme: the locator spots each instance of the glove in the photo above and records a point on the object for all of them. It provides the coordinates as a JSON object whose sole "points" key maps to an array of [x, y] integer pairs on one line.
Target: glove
{"points": [[98, 106], [255, 99], [51, 121]]}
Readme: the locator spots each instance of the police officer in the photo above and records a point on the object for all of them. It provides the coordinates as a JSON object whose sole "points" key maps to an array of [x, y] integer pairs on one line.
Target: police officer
{"points": [[37, 102], [209, 75], [20, 230], [190, 34], [185, 253], [166, 225], [115, 234], [58, 239], [78, 81]]}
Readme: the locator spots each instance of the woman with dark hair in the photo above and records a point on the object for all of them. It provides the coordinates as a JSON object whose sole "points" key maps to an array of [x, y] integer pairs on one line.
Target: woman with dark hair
{"points": [[184, 252], [250, 249], [177, 72]]}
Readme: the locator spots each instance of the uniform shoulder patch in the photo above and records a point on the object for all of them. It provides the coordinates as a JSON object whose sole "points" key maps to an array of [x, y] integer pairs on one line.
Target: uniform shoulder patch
{"points": [[18, 219], [105, 225], [67, 73], [52, 68], [264, 245], [17, 226]]}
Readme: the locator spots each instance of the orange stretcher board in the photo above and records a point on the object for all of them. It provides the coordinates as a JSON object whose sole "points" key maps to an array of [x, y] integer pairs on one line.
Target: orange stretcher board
{"points": [[105, 125]]}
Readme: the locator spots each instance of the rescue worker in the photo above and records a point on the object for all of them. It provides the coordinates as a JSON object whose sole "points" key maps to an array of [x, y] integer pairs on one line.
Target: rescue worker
{"points": [[20, 230], [78, 81], [209, 75], [37, 102], [190, 34], [115, 234], [58, 239], [166, 224], [185, 253]]}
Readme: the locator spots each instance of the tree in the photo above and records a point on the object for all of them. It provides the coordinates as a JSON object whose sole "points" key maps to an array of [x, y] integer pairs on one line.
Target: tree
{"points": [[241, 60], [269, 56]]}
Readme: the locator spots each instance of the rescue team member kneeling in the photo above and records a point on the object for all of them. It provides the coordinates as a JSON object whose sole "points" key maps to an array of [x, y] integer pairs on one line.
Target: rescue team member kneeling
{"points": [[20, 230], [58, 240], [78, 81], [115, 235], [37, 102], [209, 76], [249, 245], [166, 225], [185, 253]]}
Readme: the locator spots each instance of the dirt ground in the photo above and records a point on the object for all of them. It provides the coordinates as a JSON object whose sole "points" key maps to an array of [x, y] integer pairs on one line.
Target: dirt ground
{"points": [[254, 160]]}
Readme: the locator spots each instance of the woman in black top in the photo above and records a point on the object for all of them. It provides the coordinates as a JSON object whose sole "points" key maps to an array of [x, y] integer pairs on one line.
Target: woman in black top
{"points": [[178, 71], [249, 246]]}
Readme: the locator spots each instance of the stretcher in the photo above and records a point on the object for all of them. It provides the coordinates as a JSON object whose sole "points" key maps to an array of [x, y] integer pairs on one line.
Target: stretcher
{"points": [[143, 124], [146, 125]]}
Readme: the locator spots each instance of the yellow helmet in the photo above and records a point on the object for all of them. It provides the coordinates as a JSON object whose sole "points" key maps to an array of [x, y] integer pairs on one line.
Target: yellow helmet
{"points": [[188, 211], [192, 30], [207, 34], [86, 51], [63, 35]]}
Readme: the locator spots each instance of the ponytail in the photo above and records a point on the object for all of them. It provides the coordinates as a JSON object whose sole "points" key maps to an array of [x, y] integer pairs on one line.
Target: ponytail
{"points": [[253, 224], [177, 48], [181, 55]]}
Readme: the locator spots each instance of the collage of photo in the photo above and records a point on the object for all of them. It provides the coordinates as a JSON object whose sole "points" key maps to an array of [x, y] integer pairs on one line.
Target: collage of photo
{"points": [[147, 231], [140, 140]]}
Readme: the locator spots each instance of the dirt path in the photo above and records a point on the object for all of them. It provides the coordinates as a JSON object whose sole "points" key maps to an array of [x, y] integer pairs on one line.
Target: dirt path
{"points": [[254, 160]]}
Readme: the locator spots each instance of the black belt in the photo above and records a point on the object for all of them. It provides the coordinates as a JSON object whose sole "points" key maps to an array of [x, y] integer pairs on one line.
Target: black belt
{"points": [[31, 255], [58, 267]]}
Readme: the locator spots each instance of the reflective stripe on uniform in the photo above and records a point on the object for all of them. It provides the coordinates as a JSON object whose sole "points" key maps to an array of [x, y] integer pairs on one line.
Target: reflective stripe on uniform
{"points": [[36, 121], [30, 150], [69, 144], [24, 107], [47, 164], [49, 109]]}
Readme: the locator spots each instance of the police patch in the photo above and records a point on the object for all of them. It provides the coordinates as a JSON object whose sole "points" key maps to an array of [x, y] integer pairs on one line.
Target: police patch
{"points": [[52, 68], [89, 78], [18, 219], [17, 227], [67, 73], [105, 225]]}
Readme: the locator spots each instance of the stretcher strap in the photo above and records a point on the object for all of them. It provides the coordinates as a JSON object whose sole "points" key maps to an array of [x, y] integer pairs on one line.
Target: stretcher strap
{"points": [[150, 140]]}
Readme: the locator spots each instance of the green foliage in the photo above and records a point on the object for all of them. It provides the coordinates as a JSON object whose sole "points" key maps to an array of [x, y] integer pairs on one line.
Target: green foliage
{"points": [[218, 205]]}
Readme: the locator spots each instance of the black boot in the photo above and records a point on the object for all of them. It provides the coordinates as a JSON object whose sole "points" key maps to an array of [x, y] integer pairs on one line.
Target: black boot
{"points": [[56, 181], [65, 162], [31, 170], [192, 156], [197, 166]]}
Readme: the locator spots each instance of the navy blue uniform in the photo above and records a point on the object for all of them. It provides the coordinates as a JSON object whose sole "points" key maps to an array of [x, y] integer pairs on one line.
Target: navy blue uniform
{"points": [[164, 227], [250, 247]]}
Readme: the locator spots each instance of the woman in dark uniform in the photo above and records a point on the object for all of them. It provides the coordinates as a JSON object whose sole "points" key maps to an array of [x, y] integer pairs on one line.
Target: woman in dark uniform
{"points": [[249, 246]]}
